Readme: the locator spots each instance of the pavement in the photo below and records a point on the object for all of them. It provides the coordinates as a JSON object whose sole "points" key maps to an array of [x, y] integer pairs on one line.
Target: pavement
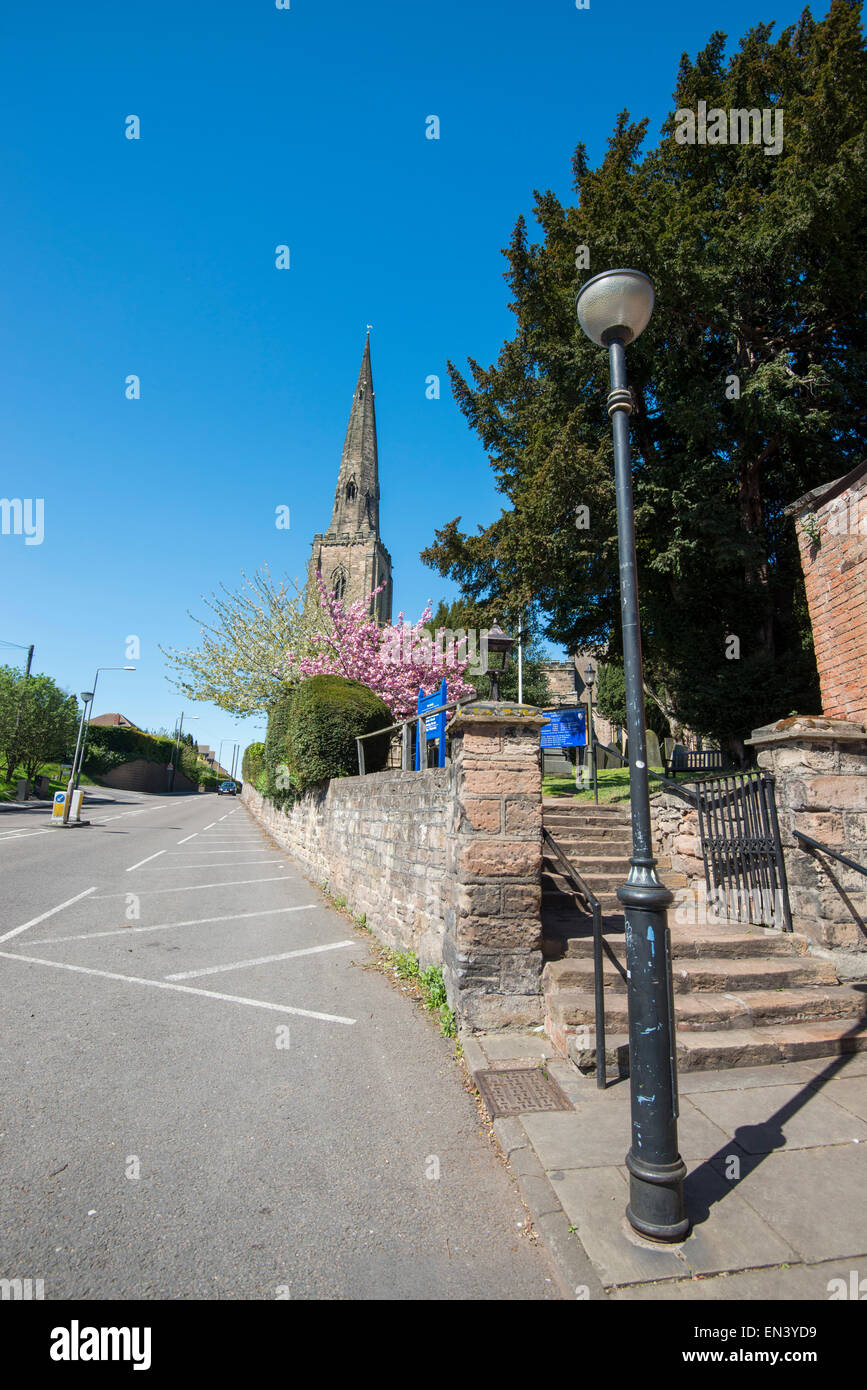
{"points": [[777, 1165], [205, 1094]]}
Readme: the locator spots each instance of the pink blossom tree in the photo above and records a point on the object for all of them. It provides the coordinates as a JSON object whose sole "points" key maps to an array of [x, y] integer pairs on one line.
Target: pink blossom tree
{"points": [[394, 662]]}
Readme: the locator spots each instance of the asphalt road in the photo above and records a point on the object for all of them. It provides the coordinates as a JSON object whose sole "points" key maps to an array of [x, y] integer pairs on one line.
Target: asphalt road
{"points": [[205, 1096]]}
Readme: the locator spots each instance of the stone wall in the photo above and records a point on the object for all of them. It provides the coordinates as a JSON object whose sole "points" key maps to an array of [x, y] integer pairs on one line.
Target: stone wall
{"points": [[379, 841], [444, 862], [676, 835], [832, 535]]}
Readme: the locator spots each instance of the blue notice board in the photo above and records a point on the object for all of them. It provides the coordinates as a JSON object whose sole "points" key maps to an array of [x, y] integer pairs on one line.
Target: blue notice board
{"points": [[567, 729], [434, 724]]}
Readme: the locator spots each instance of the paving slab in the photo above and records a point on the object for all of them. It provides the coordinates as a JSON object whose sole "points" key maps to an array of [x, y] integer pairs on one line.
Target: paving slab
{"points": [[594, 1200], [512, 1046], [814, 1199], [851, 1064], [797, 1283], [765, 1119], [851, 1093], [743, 1078], [595, 1136], [727, 1233]]}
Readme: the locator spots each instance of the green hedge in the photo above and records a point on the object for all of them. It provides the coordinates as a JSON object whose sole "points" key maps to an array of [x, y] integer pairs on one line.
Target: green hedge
{"points": [[326, 715], [108, 747], [252, 762], [275, 752]]}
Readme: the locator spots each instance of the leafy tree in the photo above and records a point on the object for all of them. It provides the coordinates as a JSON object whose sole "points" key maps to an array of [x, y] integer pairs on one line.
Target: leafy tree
{"points": [[38, 721], [610, 694], [244, 642], [749, 384], [459, 615], [394, 662]]}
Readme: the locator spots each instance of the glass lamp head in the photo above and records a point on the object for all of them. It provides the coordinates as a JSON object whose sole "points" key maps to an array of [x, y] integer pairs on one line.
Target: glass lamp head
{"points": [[615, 304], [499, 644]]}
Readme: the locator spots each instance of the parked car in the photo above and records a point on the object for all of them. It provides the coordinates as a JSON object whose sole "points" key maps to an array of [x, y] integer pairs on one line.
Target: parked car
{"points": [[227, 789]]}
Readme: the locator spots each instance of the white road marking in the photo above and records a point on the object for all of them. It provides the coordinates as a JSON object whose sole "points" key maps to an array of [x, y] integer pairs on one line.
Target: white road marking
{"points": [[182, 989], [105, 819], [208, 827], [165, 926], [245, 849], [188, 837], [172, 868], [192, 887], [22, 834], [36, 920], [145, 861], [261, 960]]}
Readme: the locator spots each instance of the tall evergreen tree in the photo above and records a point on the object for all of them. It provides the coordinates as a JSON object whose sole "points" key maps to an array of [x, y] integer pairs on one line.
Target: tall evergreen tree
{"points": [[749, 383]]}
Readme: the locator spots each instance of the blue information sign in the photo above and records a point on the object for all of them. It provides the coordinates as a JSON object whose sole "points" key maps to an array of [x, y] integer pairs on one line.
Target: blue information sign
{"points": [[567, 729], [434, 724]]}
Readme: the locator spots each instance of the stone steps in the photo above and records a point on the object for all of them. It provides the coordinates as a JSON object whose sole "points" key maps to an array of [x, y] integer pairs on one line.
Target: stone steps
{"points": [[743, 995], [721, 974], [704, 1011], [730, 1047], [732, 942]]}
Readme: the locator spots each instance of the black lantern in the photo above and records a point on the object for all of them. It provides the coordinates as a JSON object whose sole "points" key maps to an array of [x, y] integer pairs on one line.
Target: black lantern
{"points": [[499, 644]]}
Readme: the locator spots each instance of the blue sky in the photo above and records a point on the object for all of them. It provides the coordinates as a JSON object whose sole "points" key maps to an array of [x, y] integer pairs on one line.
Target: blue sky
{"points": [[156, 257]]}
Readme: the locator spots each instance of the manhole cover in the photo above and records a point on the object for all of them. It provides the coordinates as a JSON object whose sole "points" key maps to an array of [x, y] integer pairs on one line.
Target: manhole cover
{"points": [[519, 1090]]}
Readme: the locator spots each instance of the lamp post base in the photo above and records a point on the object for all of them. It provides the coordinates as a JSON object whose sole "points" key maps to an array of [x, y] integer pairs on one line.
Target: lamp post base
{"points": [[657, 1192]]}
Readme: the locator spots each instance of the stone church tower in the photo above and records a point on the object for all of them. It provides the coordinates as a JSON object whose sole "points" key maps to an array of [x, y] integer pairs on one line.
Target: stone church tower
{"points": [[350, 557]]}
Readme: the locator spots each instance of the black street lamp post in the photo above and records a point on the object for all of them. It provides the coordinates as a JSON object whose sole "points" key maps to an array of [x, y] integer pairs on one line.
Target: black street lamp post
{"points": [[613, 309], [589, 678]]}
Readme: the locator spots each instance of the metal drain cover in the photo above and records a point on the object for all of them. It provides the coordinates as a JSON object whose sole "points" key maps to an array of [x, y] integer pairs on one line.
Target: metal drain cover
{"points": [[518, 1090]]}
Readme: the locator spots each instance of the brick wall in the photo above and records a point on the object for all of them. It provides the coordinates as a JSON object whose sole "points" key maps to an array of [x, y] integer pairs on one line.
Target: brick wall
{"points": [[832, 537], [379, 841], [139, 775]]}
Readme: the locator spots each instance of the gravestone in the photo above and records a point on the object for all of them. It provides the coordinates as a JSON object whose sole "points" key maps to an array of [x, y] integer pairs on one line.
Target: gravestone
{"points": [[654, 757]]}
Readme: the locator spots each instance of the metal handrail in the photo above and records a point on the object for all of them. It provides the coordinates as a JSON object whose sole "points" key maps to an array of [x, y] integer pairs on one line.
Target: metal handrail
{"points": [[404, 725], [826, 849], [591, 901]]}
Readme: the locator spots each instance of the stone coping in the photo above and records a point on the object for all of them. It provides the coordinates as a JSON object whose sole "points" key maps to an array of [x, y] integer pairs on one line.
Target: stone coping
{"points": [[817, 727], [504, 712]]}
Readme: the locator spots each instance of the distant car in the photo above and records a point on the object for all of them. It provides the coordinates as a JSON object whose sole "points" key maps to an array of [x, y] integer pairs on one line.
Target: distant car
{"points": [[227, 789]]}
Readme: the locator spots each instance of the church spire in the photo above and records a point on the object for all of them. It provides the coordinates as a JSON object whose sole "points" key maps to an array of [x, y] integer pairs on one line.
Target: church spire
{"points": [[356, 501]]}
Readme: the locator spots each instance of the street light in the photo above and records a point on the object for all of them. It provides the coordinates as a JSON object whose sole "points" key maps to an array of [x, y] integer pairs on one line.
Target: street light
{"points": [[498, 644], [589, 678], [86, 697], [613, 309], [173, 765], [92, 696]]}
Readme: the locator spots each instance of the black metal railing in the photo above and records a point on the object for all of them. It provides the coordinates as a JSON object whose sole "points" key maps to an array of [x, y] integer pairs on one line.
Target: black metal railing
{"points": [[405, 725], [591, 902], [810, 846]]}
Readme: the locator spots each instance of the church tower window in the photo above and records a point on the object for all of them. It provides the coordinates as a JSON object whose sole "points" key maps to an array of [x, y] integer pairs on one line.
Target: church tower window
{"points": [[338, 583], [351, 490]]}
